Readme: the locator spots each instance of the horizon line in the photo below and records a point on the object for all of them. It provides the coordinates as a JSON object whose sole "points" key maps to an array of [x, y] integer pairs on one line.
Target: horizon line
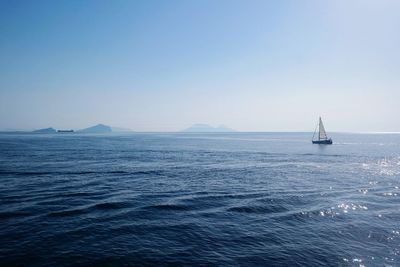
{"points": [[205, 132]]}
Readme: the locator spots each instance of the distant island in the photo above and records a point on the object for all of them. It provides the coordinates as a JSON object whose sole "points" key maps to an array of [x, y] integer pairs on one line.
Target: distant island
{"points": [[99, 128], [205, 128], [45, 131]]}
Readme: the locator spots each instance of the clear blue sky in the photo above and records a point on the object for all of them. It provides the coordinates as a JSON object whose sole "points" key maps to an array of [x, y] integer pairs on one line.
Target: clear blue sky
{"points": [[164, 65]]}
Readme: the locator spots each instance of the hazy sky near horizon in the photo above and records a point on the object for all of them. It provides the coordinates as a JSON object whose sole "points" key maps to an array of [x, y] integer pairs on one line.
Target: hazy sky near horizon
{"points": [[164, 65]]}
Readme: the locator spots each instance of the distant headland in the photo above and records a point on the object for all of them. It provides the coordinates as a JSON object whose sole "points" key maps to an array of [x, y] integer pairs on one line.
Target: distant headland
{"points": [[96, 129]]}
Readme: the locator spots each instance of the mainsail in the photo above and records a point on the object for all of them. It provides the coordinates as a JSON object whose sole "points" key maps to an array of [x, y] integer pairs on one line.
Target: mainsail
{"points": [[322, 132]]}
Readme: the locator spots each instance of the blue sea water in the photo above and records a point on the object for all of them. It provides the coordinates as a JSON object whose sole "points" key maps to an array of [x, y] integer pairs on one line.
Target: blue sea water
{"points": [[237, 199]]}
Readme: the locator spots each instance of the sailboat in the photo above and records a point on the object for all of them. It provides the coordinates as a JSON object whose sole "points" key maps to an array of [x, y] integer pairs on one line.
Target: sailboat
{"points": [[322, 137]]}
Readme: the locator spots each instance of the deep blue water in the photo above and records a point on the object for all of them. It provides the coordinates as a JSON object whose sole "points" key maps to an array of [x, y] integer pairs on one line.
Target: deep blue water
{"points": [[240, 199]]}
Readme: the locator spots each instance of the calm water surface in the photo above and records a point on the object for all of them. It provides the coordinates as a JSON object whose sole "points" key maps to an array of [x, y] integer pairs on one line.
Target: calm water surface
{"points": [[199, 199]]}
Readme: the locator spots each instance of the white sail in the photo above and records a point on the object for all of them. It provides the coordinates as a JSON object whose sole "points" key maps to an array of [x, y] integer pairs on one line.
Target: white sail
{"points": [[322, 132]]}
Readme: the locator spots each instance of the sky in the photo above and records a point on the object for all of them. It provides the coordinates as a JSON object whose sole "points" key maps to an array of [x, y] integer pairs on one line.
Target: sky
{"points": [[165, 65]]}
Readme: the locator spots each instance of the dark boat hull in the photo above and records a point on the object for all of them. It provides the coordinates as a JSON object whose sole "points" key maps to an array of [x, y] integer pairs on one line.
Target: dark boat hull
{"points": [[323, 142]]}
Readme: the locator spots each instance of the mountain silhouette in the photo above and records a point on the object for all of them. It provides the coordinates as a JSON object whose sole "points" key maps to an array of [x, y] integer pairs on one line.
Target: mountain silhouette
{"points": [[99, 128], [45, 131], [202, 128]]}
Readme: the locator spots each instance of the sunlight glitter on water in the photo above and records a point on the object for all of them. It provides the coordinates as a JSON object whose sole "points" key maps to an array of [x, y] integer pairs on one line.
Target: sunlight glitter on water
{"points": [[347, 207], [389, 166]]}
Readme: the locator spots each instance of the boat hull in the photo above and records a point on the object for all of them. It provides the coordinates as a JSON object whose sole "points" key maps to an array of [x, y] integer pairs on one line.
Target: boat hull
{"points": [[323, 142]]}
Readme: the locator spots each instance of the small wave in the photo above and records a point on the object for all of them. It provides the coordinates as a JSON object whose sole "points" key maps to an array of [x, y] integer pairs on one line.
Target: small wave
{"points": [[117, 172], [152, 172], [66, 213], [171, 207], [304, 215], [91, 208], [111, 205], [76, 194], [258, 209], [213, 197]]}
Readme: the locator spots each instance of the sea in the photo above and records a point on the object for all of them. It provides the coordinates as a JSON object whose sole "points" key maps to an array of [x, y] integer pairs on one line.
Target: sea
{"points": [[199, 199]]}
